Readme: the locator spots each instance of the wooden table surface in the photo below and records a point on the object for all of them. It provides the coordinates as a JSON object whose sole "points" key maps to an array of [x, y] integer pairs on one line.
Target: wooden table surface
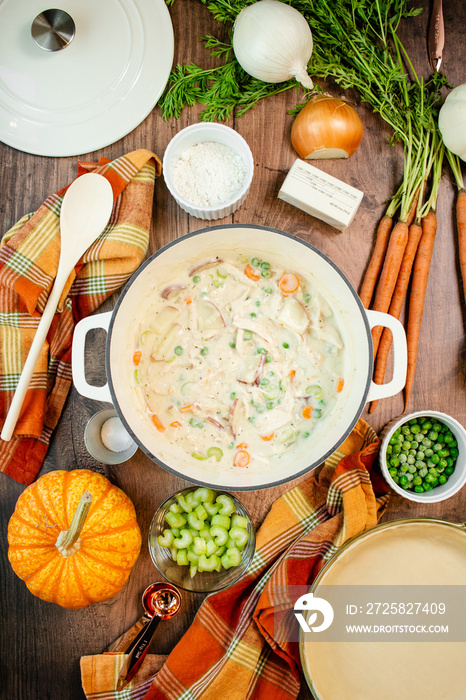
{"points": [[40, 643]]}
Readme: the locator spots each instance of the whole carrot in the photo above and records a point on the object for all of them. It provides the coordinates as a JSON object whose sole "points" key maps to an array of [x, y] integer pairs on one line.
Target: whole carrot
{"points": [[375, 263], [389, 275], [399, 295], [418, 293], [461, 224]]}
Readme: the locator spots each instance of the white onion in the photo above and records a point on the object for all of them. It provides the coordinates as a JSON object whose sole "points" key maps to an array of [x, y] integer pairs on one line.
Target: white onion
{"points": [[452, 121], [272, 42]]}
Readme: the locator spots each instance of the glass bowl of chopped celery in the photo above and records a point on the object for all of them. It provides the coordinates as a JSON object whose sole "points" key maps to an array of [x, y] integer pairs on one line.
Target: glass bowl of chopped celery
{"points": [[423, 456], [202, 540]]}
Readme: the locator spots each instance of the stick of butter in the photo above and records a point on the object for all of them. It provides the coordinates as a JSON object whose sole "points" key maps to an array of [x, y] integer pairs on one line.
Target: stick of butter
{"points": [[320, 195]]}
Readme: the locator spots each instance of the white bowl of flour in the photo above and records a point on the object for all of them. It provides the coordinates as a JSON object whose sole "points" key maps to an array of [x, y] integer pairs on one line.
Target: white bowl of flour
{"points": [[208, 169]]}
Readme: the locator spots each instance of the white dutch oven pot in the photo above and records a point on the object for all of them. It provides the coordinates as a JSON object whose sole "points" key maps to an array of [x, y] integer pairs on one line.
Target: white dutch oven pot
{"points": [[285, 251]]}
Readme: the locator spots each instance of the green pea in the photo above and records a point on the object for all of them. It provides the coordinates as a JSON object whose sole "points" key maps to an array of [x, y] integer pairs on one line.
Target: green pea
{"points": [[306, 435], [419, 489], [448, 438], [450, 462], [454, 453], [442, 479], [432, 435], [232, 344], [396, 449], [428, 452], [438, 427], [412, 469], [265, 265], [420, 455], [255, 262], [427, 425], [427, 487], [406, 430], [419, 436], [404, 481], [417, 481], [414, 445], [261, 351], [423, 471], [196, 279], [410, 459], [404, 468], [204, 350], [437, 447], [429, 478], [395, 462], [265, 274], [402, 457], [443, 463], [418, 464], [258, 302], [435, 459], [307, 298], [268, 290], [426, 442], [449, 470], [178, 350], [406, 445], [270, 404], [396, 479], [253, 314], [286, 345], [265, 381], [260, 408], [268, 359], [247, 335]]}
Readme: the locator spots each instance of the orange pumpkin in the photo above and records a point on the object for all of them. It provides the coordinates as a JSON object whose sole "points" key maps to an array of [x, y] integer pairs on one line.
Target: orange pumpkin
{"points": [[73, 538]]}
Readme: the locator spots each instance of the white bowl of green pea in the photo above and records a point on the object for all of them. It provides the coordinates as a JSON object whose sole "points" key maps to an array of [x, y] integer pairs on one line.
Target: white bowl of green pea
{"points": [[423, 456]]}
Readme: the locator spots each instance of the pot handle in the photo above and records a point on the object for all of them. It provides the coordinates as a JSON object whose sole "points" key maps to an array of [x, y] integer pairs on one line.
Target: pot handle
{"points": [[98, 393], [400, 364]]}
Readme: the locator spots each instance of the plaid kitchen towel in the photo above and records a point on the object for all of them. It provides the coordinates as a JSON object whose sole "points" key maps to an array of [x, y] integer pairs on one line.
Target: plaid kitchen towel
{"points": [[237, 646], [29, 255]]}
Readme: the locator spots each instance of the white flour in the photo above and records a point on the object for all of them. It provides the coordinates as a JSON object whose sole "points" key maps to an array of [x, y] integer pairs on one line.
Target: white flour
{"points": [[209, 174]]}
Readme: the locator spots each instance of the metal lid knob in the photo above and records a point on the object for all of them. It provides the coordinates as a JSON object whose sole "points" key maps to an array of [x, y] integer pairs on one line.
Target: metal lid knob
{"points": [[53, 30]]}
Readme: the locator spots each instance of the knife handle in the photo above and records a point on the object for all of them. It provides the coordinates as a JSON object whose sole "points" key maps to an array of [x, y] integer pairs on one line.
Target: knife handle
{"points": [[436, 40]]}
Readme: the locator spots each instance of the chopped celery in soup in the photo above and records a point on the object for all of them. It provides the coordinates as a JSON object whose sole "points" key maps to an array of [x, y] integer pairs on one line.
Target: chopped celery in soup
{"points": [[238, 360]]}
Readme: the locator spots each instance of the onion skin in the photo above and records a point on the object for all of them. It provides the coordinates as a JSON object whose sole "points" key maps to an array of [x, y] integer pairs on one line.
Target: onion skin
{"points": [[326, 127]]}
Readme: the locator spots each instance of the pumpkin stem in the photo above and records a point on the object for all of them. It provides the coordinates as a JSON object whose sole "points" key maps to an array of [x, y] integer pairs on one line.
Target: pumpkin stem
{"points": [[68, 540]]}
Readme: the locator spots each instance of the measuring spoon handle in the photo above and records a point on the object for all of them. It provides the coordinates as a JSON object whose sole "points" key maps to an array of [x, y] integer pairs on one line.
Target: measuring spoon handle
{"points": [[137, 654]]}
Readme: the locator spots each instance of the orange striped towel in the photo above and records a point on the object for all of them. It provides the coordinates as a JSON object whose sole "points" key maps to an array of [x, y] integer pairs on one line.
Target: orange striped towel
{"points": [[235, 649], [29, 256]]}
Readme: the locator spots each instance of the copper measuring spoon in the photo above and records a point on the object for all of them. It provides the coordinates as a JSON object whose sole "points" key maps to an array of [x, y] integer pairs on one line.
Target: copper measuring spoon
{"points": [[161, 601]]}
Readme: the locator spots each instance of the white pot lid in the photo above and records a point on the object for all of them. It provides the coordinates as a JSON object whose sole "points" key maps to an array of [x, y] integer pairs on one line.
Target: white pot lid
{"points": [[92, 92]]}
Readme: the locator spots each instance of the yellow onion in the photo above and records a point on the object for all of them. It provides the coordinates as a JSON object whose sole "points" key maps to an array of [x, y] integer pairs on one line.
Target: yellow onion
{"points": [[326, 127]]}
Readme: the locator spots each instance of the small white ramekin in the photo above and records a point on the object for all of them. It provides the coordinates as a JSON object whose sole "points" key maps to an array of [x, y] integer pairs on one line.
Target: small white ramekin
{"points": [[456, 480], [201, 133]]}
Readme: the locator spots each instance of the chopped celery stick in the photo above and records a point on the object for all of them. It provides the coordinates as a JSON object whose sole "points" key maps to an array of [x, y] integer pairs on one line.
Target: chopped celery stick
{"points": [[205, 533], [175, 531], [218, 567], [211, 548], [192, 570], [175, 519], [226, 503], [314, 390], [239, 521], [204, 495], [221, 550], [174, 553], [190, 500], [193, 558], [215, 452], [199, 546], [222, 521], [201, 512], [212, 508], [232, 557], [239, 534], [184, 540], [182, 557], [220, 535], [176, 508], [195, 522], [184, 504], [194, 531], [208, 563], [166, 540], [196, 455]]}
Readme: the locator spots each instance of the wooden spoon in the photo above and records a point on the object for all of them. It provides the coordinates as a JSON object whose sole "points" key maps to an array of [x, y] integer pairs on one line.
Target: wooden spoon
{"points": [[85, 211]]}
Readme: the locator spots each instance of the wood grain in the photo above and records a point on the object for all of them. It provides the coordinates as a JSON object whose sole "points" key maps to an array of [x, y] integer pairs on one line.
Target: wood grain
{"points": [[40, 644]]}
